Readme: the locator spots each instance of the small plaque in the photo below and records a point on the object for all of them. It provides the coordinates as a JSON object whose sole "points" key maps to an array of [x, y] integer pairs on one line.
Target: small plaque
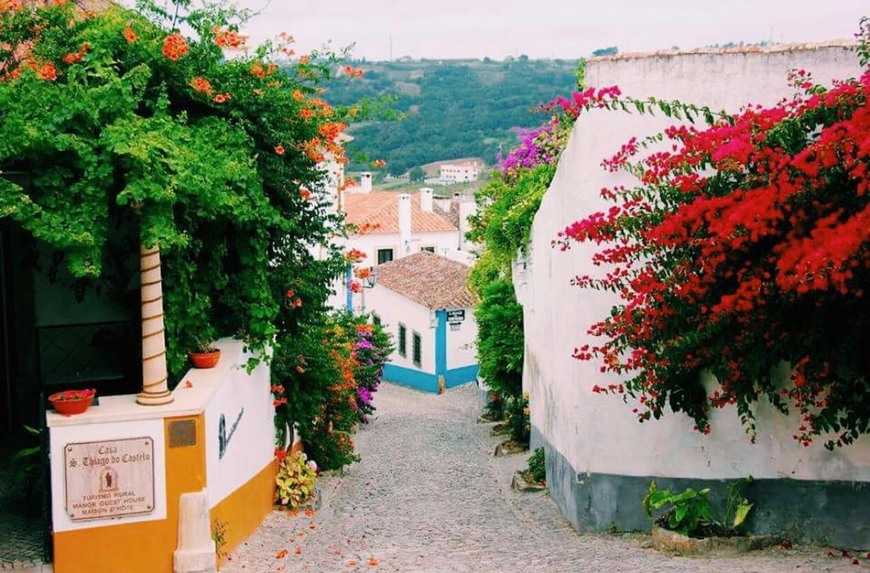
{"points": [[455, 316], [182, 433], [113, 478]]}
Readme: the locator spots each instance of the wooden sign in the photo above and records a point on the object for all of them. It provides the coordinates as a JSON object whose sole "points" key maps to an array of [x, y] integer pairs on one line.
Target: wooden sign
{"points": [[107, 479]]}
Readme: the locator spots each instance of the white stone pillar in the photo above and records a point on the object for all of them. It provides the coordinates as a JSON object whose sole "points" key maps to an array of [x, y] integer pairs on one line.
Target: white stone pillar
{"points": [[196, 551]]}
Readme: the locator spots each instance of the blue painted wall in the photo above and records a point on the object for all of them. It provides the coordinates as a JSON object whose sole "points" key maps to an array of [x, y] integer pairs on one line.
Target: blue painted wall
{"points": [[462, 375], [412, 378], [441, 343]]}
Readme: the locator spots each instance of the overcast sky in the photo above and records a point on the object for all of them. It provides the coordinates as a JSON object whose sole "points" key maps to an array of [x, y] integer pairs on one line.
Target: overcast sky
{"points": [[547, 28]]}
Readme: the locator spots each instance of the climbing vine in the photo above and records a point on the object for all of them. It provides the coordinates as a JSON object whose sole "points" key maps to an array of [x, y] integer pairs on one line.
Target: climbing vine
{"points": [[161, 125], [742, 249], [119, 128]]}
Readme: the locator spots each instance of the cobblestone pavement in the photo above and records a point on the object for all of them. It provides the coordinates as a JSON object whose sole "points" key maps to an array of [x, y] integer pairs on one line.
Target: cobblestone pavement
{"points": [[428, 497], [20, 523]]}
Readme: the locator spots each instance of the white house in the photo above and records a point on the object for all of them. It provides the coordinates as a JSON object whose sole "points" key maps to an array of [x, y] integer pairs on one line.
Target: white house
{"points": [[395, 225], [460, 172], [424, 301]]}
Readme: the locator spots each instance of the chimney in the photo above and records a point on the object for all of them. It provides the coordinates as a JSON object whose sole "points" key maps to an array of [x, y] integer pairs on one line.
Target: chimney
{"points": [[457, 196], [365, 182], [404, 225], [466, 210], [426, 199]]}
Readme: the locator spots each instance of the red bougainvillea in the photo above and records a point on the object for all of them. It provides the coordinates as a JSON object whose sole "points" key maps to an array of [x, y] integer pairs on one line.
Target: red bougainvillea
{"points": [[743, 251]]}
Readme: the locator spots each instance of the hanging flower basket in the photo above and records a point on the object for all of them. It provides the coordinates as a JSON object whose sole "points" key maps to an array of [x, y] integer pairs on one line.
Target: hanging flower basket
{"points": [[72, 402], [205, 359]]}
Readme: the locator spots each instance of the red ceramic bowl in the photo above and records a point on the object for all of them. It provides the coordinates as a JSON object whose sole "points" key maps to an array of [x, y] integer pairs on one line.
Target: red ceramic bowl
{"points": [[71, 402]]}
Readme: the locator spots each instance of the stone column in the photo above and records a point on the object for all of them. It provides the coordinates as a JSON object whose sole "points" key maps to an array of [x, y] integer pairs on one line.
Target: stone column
{"points": [[155, 391]]}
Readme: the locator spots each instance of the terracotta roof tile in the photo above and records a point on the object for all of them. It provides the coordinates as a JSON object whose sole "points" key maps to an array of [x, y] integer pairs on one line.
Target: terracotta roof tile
{"points": [[428, 279], [381, 208]]}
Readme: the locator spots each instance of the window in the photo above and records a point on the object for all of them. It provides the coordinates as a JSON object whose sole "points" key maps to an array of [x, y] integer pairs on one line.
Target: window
{"points": [[417, 349], [403, 342], [430, 249], [385, 256]]}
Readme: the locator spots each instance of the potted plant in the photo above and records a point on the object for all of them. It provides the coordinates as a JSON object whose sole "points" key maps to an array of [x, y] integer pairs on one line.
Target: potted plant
{"points": [[71, 402], [205, 354]]}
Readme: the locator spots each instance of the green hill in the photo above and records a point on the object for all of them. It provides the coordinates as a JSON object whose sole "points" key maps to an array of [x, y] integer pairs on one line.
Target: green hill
{"points": [[451, 108]]}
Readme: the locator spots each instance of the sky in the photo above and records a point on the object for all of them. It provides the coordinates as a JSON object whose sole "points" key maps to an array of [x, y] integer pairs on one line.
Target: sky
{"points": [[568, 29]]}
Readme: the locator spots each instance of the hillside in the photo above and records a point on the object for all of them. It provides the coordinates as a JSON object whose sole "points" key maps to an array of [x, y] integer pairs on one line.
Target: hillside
{"points": [[451, 108]]}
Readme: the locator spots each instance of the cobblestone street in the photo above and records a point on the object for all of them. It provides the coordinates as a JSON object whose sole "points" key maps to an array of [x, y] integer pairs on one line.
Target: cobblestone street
{"points": [[428, 496]]}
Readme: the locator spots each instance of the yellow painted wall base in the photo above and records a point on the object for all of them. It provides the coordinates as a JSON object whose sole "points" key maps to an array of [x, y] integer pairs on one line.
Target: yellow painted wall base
{"points": [[137, 547], [238, 516]]}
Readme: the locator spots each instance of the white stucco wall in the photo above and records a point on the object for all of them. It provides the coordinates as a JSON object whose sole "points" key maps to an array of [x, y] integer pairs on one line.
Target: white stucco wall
{"points": [[597, 433], [370, 243], [393, 308], [461, 343]]}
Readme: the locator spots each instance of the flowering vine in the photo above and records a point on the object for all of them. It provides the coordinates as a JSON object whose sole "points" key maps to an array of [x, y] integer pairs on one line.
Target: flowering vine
{"points": [[742, 249]]}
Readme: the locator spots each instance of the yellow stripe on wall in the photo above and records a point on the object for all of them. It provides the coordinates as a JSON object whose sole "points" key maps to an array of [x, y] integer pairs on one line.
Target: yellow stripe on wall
{"points": [[239, 515]]}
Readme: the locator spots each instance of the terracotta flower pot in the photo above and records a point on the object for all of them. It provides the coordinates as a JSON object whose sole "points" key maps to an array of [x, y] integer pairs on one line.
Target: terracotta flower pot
{"points": [[205, 359], [72, 402]]}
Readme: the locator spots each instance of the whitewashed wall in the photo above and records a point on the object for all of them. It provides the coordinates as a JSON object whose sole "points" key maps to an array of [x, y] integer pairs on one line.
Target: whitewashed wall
{"points": [[245, 402], [461, 344], [393, 308], [599, 434], [369, 244]]}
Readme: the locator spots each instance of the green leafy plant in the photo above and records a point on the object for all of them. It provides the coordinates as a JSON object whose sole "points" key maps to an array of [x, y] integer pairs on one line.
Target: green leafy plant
{"points": [[737, 507], [519, 426], [691, 513], [28, 464], [295, 482], [537, 469], [687, 511], [219, 536]]}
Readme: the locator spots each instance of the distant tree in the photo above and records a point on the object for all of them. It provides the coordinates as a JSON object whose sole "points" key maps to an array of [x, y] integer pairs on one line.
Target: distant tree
{"points": [[523, 58], [611, 51], [417, 175]]}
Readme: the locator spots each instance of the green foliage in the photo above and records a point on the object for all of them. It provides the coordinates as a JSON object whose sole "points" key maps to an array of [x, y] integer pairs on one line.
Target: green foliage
{"points": [[28, 465], [505, 224], [609, 51], [537, 465], [316, 378], [518, 423], [736, 505], [500, 338], [691, 512], [120, 147], [295, 481], [687, 510], [417, 175], [451, 109]]}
